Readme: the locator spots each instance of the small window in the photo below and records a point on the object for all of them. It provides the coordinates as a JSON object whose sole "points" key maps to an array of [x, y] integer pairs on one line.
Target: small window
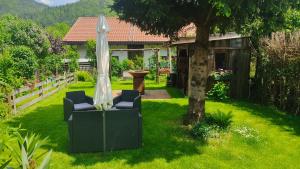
{"points": [[220, 61]]}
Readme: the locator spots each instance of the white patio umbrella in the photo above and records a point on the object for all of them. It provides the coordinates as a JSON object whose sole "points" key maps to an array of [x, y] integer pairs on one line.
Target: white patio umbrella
{"points": [[103, 95]]}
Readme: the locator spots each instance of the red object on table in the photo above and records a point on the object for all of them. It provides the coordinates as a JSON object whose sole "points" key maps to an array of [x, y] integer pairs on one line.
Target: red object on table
{"points": [[139, 80]]}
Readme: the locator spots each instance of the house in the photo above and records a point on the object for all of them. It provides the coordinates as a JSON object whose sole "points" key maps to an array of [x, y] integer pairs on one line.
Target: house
{"points": [[122, 35], [226, 52]]}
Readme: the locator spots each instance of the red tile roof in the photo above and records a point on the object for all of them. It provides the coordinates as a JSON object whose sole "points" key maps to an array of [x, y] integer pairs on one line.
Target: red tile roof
{"points": [[85, 29]]}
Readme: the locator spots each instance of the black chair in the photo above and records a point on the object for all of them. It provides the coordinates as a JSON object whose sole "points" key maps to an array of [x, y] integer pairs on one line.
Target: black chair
{"points": [[77, 101], [95, 130], [123, 129], [129, 99], [86, 131]]}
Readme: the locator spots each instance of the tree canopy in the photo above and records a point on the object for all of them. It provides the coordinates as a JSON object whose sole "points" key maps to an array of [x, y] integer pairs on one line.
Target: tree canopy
{"points": [[167, 17]]}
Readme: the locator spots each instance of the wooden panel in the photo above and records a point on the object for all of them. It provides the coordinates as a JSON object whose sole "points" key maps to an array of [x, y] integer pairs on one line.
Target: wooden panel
{"points": [[240, 79]]}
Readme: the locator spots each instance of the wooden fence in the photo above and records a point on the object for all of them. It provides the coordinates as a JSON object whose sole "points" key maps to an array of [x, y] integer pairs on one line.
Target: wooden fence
{"points": [[24, 97]]}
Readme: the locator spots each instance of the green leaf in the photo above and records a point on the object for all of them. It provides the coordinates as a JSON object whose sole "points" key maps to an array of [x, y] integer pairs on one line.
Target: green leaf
{"points": [[46, 162], [3, 166], [25, 162]]}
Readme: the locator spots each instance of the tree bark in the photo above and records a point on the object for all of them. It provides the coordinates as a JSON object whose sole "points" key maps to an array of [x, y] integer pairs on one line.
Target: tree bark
{"points": [[198, 75]]}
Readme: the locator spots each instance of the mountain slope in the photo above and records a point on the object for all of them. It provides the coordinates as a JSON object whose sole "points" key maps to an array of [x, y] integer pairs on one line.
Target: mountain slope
{"points": [[50, 15], [20, 7]]}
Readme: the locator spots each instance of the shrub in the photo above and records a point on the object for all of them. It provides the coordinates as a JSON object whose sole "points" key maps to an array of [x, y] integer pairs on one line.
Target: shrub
{"points": [[53, 64], [201, 131], [138, 62], [73, 56], [84, 76], [222, 120], [223, 75], [91, 52], [127, 64], [116, 67], [24, 61], [25, 154], [219, 91], [5, 109]]}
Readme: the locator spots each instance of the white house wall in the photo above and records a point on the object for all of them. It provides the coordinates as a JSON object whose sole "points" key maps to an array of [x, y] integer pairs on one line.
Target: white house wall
{"points": [[122, 55], [83, 53]]}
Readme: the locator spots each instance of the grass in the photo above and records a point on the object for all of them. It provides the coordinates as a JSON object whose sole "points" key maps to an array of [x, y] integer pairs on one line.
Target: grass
{"points": [[260, 137]]}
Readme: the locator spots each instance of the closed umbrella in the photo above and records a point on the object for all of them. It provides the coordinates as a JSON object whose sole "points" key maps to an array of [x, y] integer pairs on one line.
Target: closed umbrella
{"points": [[103, 94]]}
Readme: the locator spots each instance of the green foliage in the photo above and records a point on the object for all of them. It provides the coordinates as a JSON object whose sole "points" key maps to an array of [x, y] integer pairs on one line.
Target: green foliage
{"points": [[44, 15], [58, 30], [128, 64], [220, 91], [221, 75], [91, 52], [26, 154], [72, 55], [138, 62], [24, 61], [152, 67], [201, 131], [25, 33], [212, 125], [279, 78], [5, 109], [247, 134], [116, 67], [221, 119], [168, 17], [53, 64], [84, 76]]}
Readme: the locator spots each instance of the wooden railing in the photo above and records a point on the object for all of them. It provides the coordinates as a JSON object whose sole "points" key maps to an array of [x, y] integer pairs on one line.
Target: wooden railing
{"points": [[24, 97]]}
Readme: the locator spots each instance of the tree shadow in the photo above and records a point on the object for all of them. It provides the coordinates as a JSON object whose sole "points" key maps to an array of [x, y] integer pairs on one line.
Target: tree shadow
{"points": [[286, 121], [164, 136]]}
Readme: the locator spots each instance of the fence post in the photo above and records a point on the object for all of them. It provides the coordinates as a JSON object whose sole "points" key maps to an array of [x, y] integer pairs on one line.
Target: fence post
{"points": [[157, 66], [11, 101]]}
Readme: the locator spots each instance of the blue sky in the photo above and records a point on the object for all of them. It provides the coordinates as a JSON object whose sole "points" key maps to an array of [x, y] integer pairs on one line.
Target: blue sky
{"points": [[56, 2]]}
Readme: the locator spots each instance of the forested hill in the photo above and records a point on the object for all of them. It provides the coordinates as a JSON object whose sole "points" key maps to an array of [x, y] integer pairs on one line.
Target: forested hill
{"points": [[50, 15]]}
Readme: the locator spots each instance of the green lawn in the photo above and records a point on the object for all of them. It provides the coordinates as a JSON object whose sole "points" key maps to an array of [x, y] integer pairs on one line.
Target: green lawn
{"points": [[273, 143]]}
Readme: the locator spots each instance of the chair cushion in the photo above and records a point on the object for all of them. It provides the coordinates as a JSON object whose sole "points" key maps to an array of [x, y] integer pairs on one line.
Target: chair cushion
{"points": [[124, 105], [83, 106]]}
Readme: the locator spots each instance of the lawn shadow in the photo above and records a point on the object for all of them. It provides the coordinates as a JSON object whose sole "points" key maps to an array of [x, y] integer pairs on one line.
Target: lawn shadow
{"points": [[286, 121], [164, 136]]}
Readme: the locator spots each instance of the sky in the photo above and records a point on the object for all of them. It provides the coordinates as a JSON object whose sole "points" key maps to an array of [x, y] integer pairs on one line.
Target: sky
{"points": [[56, 2]]}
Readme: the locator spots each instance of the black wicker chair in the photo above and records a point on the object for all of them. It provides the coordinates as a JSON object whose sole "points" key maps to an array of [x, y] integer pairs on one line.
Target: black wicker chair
{"points": [[95, 131], [86, 131], [129, 99], [77, 101]]}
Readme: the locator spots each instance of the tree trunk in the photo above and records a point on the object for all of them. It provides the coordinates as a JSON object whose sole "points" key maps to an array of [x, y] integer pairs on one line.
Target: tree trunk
{"points": [[198, 76]]}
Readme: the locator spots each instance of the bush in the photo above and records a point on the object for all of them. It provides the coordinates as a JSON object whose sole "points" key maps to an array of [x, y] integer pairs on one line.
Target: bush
{"points": [[24, 61], [219, 91], [201, 131], [73, 56], [220, 119], [224, 75], [91, 52], [84, 76], [127, 64], [53, 64], [138, 62], [5, 109], [116, 67]]}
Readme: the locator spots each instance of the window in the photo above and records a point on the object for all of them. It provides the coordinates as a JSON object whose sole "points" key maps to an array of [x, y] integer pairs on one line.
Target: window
{"points": [[220, 61], [133, 54]]}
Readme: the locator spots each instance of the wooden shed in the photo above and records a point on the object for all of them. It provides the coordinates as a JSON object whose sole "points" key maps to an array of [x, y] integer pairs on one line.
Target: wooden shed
{"points": [[229, 52]]}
